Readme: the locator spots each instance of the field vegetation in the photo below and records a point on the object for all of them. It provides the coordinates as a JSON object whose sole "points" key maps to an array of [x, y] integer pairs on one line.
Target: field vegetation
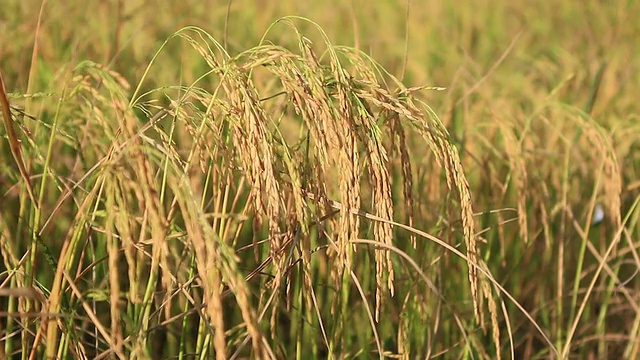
{"points": [[339, 179]]}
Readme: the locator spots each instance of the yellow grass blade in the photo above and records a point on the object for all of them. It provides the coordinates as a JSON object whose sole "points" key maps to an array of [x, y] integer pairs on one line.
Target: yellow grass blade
{"points": [[14, 143]]}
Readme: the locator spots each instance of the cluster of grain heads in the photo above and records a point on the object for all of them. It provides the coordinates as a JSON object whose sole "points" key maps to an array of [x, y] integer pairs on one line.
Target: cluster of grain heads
{"points": [[287, 148]]}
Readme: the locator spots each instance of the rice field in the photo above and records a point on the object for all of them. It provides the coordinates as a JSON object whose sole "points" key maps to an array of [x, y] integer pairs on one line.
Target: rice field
{"points": [[279, 180]]}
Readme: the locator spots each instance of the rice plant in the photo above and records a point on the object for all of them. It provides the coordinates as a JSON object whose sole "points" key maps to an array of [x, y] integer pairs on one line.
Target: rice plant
{"points": [[244, 213], [442, 181]]}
